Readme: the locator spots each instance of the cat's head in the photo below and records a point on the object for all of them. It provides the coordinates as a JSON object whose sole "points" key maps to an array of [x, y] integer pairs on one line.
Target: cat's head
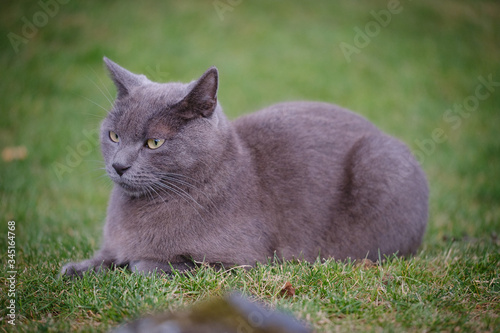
{"points": [[156, 131]]}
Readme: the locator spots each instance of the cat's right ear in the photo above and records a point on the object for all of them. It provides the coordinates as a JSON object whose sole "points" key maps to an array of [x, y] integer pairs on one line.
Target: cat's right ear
{"points": [[201, 100], [123, 79]]}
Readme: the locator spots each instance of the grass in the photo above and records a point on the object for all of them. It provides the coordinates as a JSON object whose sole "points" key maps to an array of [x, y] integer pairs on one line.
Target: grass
{"points": [[426, 60]]}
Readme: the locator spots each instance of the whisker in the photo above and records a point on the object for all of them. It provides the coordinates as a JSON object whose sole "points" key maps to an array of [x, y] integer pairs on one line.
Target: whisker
{"points": [[99, 88], [95, 103], [180, 175], [179, 191], [180, 181], [165, 187], [104, 85], [104, 175], [158, 194], [148, 194], [169, 178], [97, 116], [108, 183]]}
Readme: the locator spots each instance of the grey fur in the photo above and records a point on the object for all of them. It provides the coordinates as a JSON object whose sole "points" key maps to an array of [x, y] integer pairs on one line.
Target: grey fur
{"points": [[294, 180]]}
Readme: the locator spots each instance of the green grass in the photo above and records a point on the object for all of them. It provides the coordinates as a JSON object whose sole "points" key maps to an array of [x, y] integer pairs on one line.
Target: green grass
{"points": [[427, 59]]}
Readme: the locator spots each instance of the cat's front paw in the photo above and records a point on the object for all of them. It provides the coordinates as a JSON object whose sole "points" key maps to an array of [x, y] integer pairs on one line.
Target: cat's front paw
{"points": [[71, 270], [96, 264], [76, 269]]}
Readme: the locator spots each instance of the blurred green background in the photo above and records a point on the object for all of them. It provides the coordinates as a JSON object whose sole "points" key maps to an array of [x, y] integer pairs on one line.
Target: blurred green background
{"points": [[413, 61], [406, 75]]}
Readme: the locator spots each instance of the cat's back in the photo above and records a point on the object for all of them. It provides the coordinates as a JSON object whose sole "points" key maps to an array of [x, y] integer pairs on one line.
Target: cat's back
{"points": [[330, 169], [313, 127], [302, 146]]}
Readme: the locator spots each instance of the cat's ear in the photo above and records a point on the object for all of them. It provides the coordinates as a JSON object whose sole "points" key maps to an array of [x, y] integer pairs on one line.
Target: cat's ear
{"points": [[124, 80], [201, 100]]}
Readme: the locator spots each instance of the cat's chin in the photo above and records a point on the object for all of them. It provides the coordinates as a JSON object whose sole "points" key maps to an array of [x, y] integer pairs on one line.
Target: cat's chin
{"points": [[131, 190]]}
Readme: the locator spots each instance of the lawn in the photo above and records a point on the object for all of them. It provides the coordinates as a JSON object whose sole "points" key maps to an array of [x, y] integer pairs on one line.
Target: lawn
{"points": [[427, 72]]}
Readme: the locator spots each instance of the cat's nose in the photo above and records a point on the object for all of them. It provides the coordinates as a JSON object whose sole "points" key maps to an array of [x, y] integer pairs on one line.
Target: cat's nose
{"points": [[120, 168]]}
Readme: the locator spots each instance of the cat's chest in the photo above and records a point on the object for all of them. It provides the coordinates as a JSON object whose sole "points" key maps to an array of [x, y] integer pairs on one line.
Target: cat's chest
{"points": [[145, 229]]}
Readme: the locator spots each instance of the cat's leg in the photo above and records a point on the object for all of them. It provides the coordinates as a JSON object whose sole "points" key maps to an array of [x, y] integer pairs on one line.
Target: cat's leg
{"points": [[101, 261], [151, 266]]}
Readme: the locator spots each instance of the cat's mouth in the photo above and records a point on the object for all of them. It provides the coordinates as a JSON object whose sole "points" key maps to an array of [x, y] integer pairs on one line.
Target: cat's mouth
{"points": [[129, 186], [133, 191]]}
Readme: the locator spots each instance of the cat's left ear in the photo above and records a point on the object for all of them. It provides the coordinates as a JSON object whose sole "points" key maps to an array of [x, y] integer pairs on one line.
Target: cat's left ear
{"points": [[201, 100], [124, 80]]}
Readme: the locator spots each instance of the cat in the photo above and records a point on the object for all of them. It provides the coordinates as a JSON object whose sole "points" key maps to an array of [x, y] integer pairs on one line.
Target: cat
{"points": [[296, 180]]}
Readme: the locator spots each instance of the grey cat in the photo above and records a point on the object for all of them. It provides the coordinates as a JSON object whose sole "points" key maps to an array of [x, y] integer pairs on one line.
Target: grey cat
{"points": [[295, 180]]}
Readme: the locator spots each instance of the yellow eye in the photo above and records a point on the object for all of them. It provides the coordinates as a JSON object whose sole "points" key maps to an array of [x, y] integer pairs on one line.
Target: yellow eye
{"points": [[113, 136], [155, 143]]}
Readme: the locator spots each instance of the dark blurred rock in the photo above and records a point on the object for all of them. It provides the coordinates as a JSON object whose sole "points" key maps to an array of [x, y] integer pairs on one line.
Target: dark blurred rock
{"points": [[233, 313]]}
